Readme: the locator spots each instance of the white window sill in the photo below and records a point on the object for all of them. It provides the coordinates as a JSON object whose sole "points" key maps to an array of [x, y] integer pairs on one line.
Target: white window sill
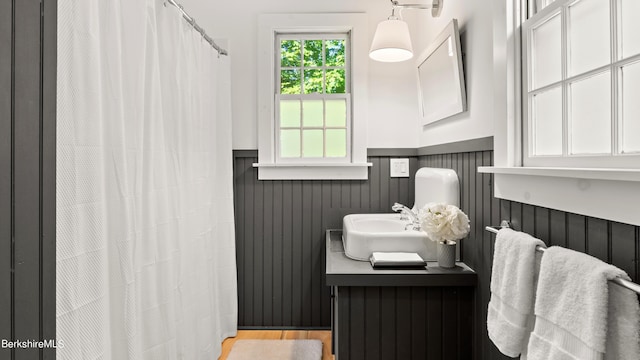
{"points": [[612, 194], [317, 171], [576, 173]]}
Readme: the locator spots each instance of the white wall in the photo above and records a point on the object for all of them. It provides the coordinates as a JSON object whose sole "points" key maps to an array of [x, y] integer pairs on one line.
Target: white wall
{"points": [[475, 19], [392, 93], [393, 99]]}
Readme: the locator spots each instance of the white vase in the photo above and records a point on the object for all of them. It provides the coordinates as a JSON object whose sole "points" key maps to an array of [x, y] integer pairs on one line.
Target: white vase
{"points": [[447, 254]]}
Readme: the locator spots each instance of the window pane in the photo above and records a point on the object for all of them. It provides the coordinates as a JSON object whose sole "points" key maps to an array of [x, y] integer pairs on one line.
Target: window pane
{"points": [[630, 84], [334, 52], [336, 113], [335, 81], [629, 27], [336, 143], [590, 115], [313, 81], [312, 143], [290, 53], [588, 35], [312, 53], [312, 113], [289, 113], [541, 4], [547, 122], [546, 53], [290, 82], [289, 143]]}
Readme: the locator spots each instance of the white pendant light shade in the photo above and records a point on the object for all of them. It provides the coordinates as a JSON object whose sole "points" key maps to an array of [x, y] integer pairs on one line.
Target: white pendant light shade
{"points": [[391, 42]]}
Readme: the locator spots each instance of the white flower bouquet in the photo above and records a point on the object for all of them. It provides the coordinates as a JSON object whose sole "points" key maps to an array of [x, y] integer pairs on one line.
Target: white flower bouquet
{"points": [[443, 222]]}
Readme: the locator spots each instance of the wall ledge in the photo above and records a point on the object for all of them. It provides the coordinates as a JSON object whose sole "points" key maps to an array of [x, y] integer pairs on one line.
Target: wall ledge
{"points": [[472, 145], [575, 173]]}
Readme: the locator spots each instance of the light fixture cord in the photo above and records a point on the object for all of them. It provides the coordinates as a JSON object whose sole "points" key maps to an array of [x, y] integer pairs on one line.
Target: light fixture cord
{"points": [[394, 8]]}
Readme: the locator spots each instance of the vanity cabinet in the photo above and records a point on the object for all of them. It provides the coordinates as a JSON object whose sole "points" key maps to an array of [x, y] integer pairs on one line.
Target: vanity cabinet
{"points": [[398, 314]]}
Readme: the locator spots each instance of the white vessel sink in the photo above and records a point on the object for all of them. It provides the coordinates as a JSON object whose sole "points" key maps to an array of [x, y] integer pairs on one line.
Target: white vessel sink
{"points": [[363, 234]]}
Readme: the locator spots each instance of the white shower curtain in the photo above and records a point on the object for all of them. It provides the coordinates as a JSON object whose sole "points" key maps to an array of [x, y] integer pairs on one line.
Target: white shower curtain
{"points": [[145, 238]]}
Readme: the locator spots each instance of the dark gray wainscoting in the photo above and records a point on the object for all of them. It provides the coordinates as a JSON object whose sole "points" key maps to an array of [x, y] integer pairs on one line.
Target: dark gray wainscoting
{"points": [[612, 242], [280, 227], [27, 174], [397, 319], [280, 238]]}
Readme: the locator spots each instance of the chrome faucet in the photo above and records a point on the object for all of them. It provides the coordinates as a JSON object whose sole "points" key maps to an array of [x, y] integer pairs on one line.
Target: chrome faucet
{"points": [[407, 214]]}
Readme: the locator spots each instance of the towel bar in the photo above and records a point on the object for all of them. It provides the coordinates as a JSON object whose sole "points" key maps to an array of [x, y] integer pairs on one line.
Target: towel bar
{"points": [[622, 282]]}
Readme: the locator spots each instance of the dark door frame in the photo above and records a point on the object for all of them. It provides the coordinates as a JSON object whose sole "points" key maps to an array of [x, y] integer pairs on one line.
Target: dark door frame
{"points": [[28, 52]]}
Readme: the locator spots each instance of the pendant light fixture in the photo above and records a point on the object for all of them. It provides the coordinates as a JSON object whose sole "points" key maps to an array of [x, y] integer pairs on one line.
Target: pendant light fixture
{"points": [[392, 41]]}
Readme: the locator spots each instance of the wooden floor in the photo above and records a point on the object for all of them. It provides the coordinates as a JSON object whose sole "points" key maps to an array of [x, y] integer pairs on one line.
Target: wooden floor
{"points": [[325, 336]]}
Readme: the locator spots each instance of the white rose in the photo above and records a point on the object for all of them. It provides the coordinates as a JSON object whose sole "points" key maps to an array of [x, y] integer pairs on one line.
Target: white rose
{"points": [[443, 222], [458, 223]]}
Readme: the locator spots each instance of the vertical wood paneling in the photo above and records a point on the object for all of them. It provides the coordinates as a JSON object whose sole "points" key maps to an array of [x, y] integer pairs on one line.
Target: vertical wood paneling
{"points": [[6, 294], [597, 238], [278, 269], [280, 228], [434, 323], [387, 323], [399, 323], [27, 206], [317, 256], [450, 323], [258, 254], [342, 338], [576, 232], [267, 253], [287, 255], [357, 319], [418, 322], [542, 224], [528, 219], [372, 322], [558, 228], [403, 323], [465, 321], [623, 247], [247, 274], [612, 242], [385, 200], [296, 247], [28, 39], [304, 218]]}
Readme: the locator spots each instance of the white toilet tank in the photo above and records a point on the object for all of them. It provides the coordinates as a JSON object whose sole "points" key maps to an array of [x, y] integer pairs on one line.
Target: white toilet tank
{"points": [[436, 185]]}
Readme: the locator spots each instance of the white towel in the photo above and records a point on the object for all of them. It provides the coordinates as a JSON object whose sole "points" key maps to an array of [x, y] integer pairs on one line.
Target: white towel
{"points": [[512, 291], [579, 314]]}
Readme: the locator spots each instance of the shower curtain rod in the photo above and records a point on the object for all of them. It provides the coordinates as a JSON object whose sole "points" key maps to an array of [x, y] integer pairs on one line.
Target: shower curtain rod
{"points": [[193, 23]]}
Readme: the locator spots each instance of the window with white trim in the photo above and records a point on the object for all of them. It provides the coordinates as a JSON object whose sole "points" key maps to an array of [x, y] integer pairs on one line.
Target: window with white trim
{"points": [[312, 100], [312, 95], [581, 80]]}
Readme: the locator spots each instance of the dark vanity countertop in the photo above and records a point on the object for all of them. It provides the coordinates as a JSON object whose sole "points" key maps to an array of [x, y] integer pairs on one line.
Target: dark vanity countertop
{"points": [[342, 271]]}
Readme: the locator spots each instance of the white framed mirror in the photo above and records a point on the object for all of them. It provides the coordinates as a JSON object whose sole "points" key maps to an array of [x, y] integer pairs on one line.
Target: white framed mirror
{"points": [[440, 77]]}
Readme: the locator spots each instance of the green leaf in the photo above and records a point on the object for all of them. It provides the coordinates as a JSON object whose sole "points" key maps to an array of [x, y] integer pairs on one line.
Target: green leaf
{"points": [[312, 53], [336, 81], [290, 82], [312, 81], [334, 52], [290, 53]]}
